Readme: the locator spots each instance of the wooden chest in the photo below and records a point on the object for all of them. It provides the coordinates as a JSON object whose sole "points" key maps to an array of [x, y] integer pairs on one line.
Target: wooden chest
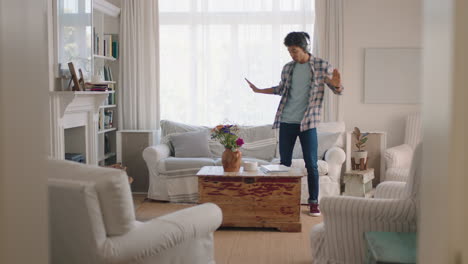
{"points": [[253, 199]]}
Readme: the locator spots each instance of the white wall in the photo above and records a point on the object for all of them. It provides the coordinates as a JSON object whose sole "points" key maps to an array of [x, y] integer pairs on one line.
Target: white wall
{"points": [[373, 24], [24, 80]]}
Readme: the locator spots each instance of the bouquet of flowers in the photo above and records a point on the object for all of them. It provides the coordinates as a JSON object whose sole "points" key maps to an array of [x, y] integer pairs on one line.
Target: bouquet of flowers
{"points": [[227, 136]]}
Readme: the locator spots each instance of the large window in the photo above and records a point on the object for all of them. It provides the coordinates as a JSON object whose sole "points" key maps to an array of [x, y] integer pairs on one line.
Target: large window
{"points": [[208, 47], [74, 35]]}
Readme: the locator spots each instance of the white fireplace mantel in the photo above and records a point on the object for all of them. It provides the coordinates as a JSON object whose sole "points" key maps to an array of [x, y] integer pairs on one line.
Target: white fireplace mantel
{"points": [[75, 109]]}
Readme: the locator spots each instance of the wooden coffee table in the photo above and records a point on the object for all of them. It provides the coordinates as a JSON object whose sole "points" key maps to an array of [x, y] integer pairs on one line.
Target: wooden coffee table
{"points": [[254, 199]]}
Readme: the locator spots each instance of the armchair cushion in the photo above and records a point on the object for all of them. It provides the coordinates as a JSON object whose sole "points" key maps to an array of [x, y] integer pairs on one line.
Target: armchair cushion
{"points": [[399, 156], [397, 174], [390, 190], [113, 191], [161, 234]]}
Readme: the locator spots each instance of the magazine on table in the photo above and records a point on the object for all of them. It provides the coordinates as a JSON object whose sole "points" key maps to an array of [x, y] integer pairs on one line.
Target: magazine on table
{"points": [[274, 168]]}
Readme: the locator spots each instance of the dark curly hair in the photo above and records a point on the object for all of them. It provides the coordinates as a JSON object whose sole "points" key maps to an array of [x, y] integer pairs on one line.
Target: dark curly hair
{"points": [[300, 39]]}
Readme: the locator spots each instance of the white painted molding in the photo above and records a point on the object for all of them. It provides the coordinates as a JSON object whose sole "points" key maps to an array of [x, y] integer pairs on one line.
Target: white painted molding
{"points": [[74, 109], [106, 8]]}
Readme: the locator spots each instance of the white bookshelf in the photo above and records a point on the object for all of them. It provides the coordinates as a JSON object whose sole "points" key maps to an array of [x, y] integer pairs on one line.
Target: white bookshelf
{"points": [[105, 17]]}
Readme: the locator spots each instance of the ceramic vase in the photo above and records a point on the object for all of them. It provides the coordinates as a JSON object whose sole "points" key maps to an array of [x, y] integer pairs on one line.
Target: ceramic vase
{"points": [[231, 160], [358, 155]]}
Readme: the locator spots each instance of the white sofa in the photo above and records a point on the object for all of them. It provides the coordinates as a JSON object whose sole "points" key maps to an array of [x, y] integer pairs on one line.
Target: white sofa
{"points": [[174, 178], [398, 158], [92, 220]]}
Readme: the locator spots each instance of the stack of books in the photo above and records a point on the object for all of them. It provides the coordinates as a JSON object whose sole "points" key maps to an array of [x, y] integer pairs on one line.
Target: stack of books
{"points": [[98, 87]]}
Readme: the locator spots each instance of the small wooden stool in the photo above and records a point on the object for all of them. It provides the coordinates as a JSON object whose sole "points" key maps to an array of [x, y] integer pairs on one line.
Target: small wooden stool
{"points": [[390, 247], [358, 183]]}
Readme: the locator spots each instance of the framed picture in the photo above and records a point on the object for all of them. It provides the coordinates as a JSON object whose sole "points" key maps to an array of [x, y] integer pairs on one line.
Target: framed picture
{"points": [[74, 77]]}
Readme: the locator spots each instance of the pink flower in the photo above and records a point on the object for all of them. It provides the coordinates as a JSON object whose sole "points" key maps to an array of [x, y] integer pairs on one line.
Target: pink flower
{"points": [[239, 142]]}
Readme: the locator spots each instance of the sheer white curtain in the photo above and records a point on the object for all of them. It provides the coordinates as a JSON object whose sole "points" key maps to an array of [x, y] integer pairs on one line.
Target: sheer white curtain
{"points": [[328, 44], [208, 47], [139, 73]]}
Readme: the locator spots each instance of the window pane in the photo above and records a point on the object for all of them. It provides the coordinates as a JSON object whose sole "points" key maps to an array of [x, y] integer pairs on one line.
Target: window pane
{"points": [[239, 5], [175, 59], [74, 35], [206, 52], [291, 5], [174, 5], [70, 6]]}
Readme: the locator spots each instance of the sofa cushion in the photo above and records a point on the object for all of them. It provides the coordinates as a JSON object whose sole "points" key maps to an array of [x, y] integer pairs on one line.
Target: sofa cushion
{"points": [[173, 166], [326, 140], [170, 127], [260, 149], [259, 161], [322, 166], [260, 143], [190, 144], [334, 127], [115, 198]]}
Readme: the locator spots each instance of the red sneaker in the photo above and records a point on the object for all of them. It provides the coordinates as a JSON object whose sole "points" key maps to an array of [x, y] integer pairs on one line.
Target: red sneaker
{"points": [[314, 209]]}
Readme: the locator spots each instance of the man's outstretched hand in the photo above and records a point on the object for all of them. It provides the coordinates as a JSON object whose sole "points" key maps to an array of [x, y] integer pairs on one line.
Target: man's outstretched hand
{"points": [[335, 81], [254, 88]]}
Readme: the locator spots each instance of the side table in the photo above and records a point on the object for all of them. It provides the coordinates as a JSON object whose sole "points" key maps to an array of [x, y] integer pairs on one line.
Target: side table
{"points": [[254, 198], [358, 183]]}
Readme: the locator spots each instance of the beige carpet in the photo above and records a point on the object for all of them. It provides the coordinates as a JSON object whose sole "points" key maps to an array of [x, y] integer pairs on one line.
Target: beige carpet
{"points": [[246, 245]]}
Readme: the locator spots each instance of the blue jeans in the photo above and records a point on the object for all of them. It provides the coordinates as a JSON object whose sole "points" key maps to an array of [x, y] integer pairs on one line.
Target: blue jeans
{"points": [[287, 138]]}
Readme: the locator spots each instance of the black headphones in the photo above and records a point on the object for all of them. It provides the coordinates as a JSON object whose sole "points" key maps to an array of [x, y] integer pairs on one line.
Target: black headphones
{"points": [[306, 47]]}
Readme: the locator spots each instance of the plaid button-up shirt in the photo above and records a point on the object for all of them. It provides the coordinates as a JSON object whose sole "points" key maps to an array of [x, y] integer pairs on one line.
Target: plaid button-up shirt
{"points": [[320, 69]]}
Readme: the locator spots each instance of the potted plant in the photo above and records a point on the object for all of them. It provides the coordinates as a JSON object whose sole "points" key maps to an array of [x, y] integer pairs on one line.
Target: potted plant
{"points": [[361, 139], [227, 136]]}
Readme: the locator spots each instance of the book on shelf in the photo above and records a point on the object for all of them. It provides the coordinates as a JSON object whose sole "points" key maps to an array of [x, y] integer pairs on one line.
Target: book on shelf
{"points": [[274, 168], [108, 119], [107, 73], [111, 99], [115, 49]]}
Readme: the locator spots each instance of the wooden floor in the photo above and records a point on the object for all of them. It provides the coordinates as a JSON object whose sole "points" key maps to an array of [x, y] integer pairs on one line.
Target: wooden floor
{"points": [[245, 245]]}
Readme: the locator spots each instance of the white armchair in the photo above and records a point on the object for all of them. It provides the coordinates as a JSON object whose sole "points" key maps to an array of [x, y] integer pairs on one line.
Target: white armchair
{"points": [[92, 220], [339, 239], [398, 159]]}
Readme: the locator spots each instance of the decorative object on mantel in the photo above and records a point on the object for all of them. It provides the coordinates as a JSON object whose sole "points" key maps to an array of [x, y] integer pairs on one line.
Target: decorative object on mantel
{"points": [[81, 81], [227, 136], [74, 78], [359, 158]]}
